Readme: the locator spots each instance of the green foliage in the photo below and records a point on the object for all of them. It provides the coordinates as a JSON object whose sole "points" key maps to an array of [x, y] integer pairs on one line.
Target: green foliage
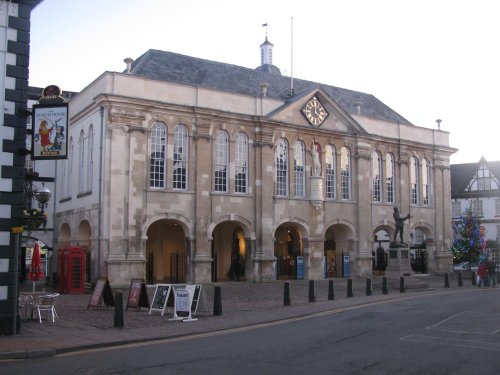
{"points": [[467, 245]]}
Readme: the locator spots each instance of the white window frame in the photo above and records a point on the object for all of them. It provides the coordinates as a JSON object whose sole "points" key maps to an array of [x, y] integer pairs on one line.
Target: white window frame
{"points": [[180, 158], [158, 158], [426, 182], [330, 166], [345, 173], [299, 169], [241, 164], [221, 161], [389, 178], [414, 181], [282, 168], [376, 177]]}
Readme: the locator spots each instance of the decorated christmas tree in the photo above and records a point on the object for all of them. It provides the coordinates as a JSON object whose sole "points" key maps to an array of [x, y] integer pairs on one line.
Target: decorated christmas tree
{"points": [[469, 238]]}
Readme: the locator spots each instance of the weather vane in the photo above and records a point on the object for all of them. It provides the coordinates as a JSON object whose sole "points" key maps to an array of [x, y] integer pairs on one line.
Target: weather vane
{"points": [[266, 26]]}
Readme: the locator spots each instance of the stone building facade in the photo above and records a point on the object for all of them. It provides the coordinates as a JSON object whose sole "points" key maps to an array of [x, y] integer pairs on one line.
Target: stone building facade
{"points": [[188, 170]]}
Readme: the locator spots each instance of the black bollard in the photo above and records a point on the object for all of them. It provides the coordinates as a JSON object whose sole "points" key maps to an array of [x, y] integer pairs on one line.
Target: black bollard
{"points": [[402, 284], [118, 318], [349, 288], [460, 279], [286, 294], [385, 289], [217, 300], [331, 293], [312, 297], [474, 283], [369, 286], [446, 280]]}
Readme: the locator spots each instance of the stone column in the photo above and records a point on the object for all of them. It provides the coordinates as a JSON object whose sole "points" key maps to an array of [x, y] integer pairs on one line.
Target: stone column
{"points": [[263, 260], [363, 189], [201, 254]]}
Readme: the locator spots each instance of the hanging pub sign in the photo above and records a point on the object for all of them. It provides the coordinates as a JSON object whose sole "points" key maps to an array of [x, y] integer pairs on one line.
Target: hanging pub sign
{"points": [[50, 126]]}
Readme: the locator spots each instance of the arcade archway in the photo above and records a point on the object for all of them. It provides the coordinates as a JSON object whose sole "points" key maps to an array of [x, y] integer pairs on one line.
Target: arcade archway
{"points": [[166, 252], [229, 252], [287, 247]]}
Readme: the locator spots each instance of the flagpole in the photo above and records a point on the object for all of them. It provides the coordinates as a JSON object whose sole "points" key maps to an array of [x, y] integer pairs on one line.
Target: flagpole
{"points": [[291, 55]]}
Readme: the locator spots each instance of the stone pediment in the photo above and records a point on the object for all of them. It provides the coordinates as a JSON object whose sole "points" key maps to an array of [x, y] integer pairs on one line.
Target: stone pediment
{"points": [[294, 110]]}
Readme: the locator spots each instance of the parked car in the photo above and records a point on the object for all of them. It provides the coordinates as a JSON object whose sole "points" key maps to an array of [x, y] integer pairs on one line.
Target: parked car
{"points": [[465, 266]]}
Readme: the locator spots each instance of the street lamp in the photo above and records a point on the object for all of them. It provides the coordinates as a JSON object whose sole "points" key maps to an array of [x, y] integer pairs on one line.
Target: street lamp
{"points": [[33, 217], [42, 196]]}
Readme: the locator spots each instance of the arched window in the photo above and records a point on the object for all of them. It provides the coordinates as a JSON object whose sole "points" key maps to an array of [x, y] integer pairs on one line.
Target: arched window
{"points": [[414, 180], [158, 165], [376, 177], [298, 168], [180, 162], [69, 182], [241, 164], [330, 171], [389, 178], [345, 173], [282, 168], [221, 160], [426, 183], [90, 157], [81, 162]]}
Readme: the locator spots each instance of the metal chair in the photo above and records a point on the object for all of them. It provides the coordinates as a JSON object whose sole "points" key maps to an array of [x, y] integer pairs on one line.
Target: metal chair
{"points": [[46, 303], [25, 306]]}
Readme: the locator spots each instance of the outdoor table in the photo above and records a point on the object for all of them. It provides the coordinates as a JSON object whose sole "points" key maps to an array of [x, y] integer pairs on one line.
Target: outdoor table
{"points": [[27, 300]]}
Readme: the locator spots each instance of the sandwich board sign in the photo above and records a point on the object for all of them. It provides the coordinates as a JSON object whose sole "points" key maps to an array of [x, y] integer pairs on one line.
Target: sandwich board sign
{"points": [[160, 298], [182, 305], [137, 296], [101, 293], [199, 299]]}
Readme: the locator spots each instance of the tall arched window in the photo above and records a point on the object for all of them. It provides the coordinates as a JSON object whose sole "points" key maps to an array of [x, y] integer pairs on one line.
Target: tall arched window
{"points": [[426, 183], [330, 171], [241, 164], [389, 178], [282, 168], [221, 161], [298, 168], [414, 180], [376, 177], [158, 165], [71, 154], [90, 157], [345, 173], [81, 162], [180, 162]]}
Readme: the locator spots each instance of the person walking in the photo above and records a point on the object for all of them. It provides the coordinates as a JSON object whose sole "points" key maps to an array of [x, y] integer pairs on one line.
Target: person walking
{"points": [[492, 272], [482, 273]]}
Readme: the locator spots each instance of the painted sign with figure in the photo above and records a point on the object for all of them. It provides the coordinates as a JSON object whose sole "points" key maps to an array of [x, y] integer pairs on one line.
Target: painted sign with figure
{"points": [[49, 131]]}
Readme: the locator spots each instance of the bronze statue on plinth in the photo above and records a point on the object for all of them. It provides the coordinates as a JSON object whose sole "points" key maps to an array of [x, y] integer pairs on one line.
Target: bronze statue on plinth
{"points": [[400, 222]]}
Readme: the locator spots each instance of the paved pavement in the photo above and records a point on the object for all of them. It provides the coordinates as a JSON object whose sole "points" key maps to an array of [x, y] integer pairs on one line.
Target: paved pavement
{"points": [[243, 304]]}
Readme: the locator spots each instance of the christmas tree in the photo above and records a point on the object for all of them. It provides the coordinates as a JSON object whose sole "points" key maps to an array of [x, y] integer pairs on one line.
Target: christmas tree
{"points": [[469, 238]]}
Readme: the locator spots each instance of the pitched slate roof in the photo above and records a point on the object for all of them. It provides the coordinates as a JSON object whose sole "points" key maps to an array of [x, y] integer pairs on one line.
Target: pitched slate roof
{"points": [[176, 68], [462, 174]]}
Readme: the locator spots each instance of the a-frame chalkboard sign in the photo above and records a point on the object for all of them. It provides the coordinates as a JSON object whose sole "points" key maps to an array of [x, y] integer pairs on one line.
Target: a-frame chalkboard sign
{"points": [[160, 298], [101, 293], [137, 295]]}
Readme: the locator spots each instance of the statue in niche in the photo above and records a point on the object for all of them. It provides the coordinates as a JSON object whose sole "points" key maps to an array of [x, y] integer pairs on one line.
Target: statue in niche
{"points": [[316, 163]]}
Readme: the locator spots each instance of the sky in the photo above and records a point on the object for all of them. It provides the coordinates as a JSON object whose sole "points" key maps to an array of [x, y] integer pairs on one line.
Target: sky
{"points": [[426, 59]]}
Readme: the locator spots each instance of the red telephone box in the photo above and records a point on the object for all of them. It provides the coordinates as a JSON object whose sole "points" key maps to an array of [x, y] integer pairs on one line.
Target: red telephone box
{"points": [[71, 270]]}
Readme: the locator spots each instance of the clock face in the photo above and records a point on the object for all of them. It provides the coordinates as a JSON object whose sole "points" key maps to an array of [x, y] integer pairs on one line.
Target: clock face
{"points": [[315, 112]]}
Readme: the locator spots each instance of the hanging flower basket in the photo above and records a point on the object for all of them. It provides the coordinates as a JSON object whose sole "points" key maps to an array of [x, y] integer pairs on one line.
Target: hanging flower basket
{"points": [[33, 219]]}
